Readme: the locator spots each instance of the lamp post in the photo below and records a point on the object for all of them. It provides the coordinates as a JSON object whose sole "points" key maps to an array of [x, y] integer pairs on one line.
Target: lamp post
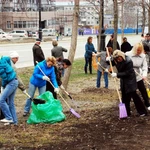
{"points": [[137, 21], [40, 23]]}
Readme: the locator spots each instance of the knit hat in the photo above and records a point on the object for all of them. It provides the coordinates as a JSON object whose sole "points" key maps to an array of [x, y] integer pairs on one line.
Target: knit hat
{"points": [[14, 54], [118, 53]]}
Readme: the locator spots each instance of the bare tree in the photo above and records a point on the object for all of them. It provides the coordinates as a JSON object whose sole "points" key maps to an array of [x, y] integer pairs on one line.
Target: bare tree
{"points": [[115, 24], [73, 41]]}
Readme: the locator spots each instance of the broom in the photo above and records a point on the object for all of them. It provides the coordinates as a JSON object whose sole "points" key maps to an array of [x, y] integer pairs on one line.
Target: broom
{"points": [[122, 108]]}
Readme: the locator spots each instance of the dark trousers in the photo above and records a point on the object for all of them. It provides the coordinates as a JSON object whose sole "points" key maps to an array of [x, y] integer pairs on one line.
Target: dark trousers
{"points": [[126, 98], [143, 91], [88, 61], [50, 88]]}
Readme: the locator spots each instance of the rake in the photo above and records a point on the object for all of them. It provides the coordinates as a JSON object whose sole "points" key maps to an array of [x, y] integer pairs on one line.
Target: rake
{"points": [[71, 109], [122, 108]]}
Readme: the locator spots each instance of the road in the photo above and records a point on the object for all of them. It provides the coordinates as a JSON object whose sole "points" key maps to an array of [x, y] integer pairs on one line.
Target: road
{"points": [[25, 49]]}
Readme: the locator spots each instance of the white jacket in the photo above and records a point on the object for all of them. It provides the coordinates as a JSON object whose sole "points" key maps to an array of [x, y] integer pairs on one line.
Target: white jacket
{"points": [[139, 64]]}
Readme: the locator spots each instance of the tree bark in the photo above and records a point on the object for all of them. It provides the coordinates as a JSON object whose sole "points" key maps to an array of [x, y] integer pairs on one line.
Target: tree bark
{"points": [[115, 24], [100, 28], [143, 16], [122, 21], [73, 42]]}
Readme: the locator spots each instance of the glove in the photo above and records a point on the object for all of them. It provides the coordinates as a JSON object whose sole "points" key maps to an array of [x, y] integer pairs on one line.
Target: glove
{"points": [[46, 78], [56, 90], [2, 89], [62, 87], [114, 74], [108, 58], [24, 91], [106, 70], [98, 63]]}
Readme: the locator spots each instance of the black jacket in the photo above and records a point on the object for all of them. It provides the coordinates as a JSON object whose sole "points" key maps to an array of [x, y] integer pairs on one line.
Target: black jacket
{"points": [[127, 75], [126, 46], [38, 54], [110, 44]]}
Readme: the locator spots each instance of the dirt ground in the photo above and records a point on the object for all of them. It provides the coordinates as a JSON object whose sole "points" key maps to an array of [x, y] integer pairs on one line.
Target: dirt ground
{"points": [[99, 127]]}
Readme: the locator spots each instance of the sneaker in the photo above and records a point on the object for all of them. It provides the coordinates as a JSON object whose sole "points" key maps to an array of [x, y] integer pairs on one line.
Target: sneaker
{"points": [[148, 107], [25, 114], [142, 115], [7, 124], [6, 121]]}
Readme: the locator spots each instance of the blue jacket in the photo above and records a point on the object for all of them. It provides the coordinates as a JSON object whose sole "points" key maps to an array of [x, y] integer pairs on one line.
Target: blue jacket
{"points": [[89, 48], [36, 78], [7, 73]]}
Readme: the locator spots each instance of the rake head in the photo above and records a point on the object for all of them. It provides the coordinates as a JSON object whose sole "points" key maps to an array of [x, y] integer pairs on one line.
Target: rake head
{"points": [[75, 113], [122, 111]]}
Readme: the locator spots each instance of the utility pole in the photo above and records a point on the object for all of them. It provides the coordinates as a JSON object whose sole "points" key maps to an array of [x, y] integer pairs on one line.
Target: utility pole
{"points": [[40, 23]]}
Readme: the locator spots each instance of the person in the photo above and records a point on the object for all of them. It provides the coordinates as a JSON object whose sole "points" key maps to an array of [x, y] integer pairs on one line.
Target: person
{"points": [[140, 66], [57, 35], [14, 58], [57, 51], [61, 64], [128, 83], [146, 45], [125, 46], [8, 90], [110, 42], [103, 67], [38, 80], [89, 50], [38, 54]]}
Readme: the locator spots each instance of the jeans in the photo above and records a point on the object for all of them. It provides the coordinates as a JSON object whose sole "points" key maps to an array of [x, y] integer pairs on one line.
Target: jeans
{"points": [[88, 60], [99, 74], [8, 107], [31, 92]]}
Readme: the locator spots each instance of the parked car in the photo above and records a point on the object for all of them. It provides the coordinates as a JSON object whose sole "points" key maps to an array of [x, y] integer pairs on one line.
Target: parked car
{"points": [[19, 33], [48, 32], [34, 34], [29, 33], [4, 35]]}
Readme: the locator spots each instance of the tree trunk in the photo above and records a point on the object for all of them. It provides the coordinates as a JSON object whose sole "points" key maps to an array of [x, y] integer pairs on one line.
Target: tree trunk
{"points": [[149, 18], [143, 16], [73, 42], [100, 28], [122, 21], [115, 24]]}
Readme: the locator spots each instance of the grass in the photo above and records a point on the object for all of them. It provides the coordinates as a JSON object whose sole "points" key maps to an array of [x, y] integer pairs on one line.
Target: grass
{"points": [[77, 72]]}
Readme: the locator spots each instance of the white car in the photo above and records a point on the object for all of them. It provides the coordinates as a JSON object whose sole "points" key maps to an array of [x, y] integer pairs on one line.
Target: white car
{"points": [[19, 33], [4, 35], [48, 32]]}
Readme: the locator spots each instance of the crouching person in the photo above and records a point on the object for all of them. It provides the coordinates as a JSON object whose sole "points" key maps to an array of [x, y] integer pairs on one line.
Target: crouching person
{"points": [[8, 90], [128, 83], [43, 71]]}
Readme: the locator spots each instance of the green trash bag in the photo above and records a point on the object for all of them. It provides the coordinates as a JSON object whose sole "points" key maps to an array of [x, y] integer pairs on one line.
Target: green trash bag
{"points": [[50, 112]]}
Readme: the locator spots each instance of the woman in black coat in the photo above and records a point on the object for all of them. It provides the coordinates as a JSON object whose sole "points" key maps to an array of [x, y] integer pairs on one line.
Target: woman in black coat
{"points": [[127, 77]]}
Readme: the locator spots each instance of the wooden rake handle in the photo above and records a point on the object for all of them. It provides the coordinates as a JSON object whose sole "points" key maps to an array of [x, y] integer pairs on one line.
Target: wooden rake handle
{"points": [[141, 77], [114, 78]]}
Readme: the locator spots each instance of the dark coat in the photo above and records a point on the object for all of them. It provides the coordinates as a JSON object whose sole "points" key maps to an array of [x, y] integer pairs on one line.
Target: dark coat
{"points": [[57, 52], [110, 44], [127, 75], [38, 54], [126, 46]]}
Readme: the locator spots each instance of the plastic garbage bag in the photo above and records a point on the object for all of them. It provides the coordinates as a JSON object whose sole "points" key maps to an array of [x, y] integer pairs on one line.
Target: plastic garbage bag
{"points": [[50, 112]]}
